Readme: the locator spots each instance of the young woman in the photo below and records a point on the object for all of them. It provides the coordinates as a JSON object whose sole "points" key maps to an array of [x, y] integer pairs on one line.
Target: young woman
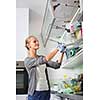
{"points": [[36, 65]]}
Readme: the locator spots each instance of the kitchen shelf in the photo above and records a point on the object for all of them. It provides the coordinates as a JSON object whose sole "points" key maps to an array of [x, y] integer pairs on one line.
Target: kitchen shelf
{"points": [[74, 61]]}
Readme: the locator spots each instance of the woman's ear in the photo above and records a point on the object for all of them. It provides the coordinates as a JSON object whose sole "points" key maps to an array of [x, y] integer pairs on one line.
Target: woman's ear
{"points": [[28, 45]]}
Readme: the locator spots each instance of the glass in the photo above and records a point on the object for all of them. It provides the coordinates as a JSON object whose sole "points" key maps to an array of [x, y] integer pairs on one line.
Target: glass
{"points": [[47, 23], [20, 81]]}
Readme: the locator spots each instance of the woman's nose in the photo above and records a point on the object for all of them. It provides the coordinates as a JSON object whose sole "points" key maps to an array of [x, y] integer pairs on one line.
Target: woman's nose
{"points": [[37, 42]]}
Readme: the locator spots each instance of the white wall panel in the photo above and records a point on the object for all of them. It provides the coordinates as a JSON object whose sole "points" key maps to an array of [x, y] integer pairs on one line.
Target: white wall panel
{"points": [[22, 31]]}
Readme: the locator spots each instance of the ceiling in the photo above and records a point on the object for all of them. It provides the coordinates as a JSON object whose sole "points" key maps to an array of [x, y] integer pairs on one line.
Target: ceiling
{"points": [[35, 5]]}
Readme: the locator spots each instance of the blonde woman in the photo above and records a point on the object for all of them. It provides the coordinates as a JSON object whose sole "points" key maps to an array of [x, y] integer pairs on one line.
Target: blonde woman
{"points": [[36, 65]]}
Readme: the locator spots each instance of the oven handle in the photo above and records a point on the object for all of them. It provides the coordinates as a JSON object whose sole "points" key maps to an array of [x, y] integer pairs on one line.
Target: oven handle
{"points": [[19, 69]]}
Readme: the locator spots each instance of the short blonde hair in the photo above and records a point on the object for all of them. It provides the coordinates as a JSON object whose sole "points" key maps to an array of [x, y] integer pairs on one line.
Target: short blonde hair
{"points": [[27, 40]]}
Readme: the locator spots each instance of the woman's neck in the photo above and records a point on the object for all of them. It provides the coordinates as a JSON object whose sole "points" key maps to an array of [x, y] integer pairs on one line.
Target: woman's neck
{"points": [[33, 53]]}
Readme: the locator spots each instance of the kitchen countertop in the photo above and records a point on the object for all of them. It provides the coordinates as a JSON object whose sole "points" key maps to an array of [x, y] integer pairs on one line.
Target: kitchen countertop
{"points": [[68, 96]]}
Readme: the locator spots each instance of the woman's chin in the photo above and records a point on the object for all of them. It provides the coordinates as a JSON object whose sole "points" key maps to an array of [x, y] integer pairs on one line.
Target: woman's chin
{"points": [[36, 48]]}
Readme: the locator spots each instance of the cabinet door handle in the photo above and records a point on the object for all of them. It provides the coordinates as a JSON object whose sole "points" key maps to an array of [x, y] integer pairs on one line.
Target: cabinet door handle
{"points": [[19, 69]]}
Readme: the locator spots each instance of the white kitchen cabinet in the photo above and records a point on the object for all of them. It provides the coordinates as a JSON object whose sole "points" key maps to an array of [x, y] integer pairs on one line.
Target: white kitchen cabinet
{"points": [[57, 15], [54, 97], [22, 31]]}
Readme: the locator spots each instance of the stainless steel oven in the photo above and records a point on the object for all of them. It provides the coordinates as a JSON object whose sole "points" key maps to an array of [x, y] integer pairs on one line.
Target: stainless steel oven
{"points": [[21, 78]]}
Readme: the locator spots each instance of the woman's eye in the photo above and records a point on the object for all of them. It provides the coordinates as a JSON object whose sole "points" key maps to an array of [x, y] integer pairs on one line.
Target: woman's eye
{"points": [[34, 41]]}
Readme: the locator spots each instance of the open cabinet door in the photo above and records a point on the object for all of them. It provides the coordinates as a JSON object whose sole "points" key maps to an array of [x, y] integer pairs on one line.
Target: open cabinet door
{"points": [[48, 22]]}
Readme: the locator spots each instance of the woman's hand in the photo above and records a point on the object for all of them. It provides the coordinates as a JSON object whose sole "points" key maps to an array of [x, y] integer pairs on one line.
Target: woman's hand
{"points": [[61, 47]]}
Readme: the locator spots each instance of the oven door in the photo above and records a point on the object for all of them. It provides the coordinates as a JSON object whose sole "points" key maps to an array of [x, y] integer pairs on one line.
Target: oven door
{"points": [[21, 81]]}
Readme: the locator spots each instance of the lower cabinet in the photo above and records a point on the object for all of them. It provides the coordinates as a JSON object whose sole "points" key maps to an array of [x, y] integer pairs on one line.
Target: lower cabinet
{"points": [[66, 97], [21, 97], [54, 97]]}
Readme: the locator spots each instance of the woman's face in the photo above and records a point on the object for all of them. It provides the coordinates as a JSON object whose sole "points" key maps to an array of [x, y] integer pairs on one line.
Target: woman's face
{"points": [[34, 43]]}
